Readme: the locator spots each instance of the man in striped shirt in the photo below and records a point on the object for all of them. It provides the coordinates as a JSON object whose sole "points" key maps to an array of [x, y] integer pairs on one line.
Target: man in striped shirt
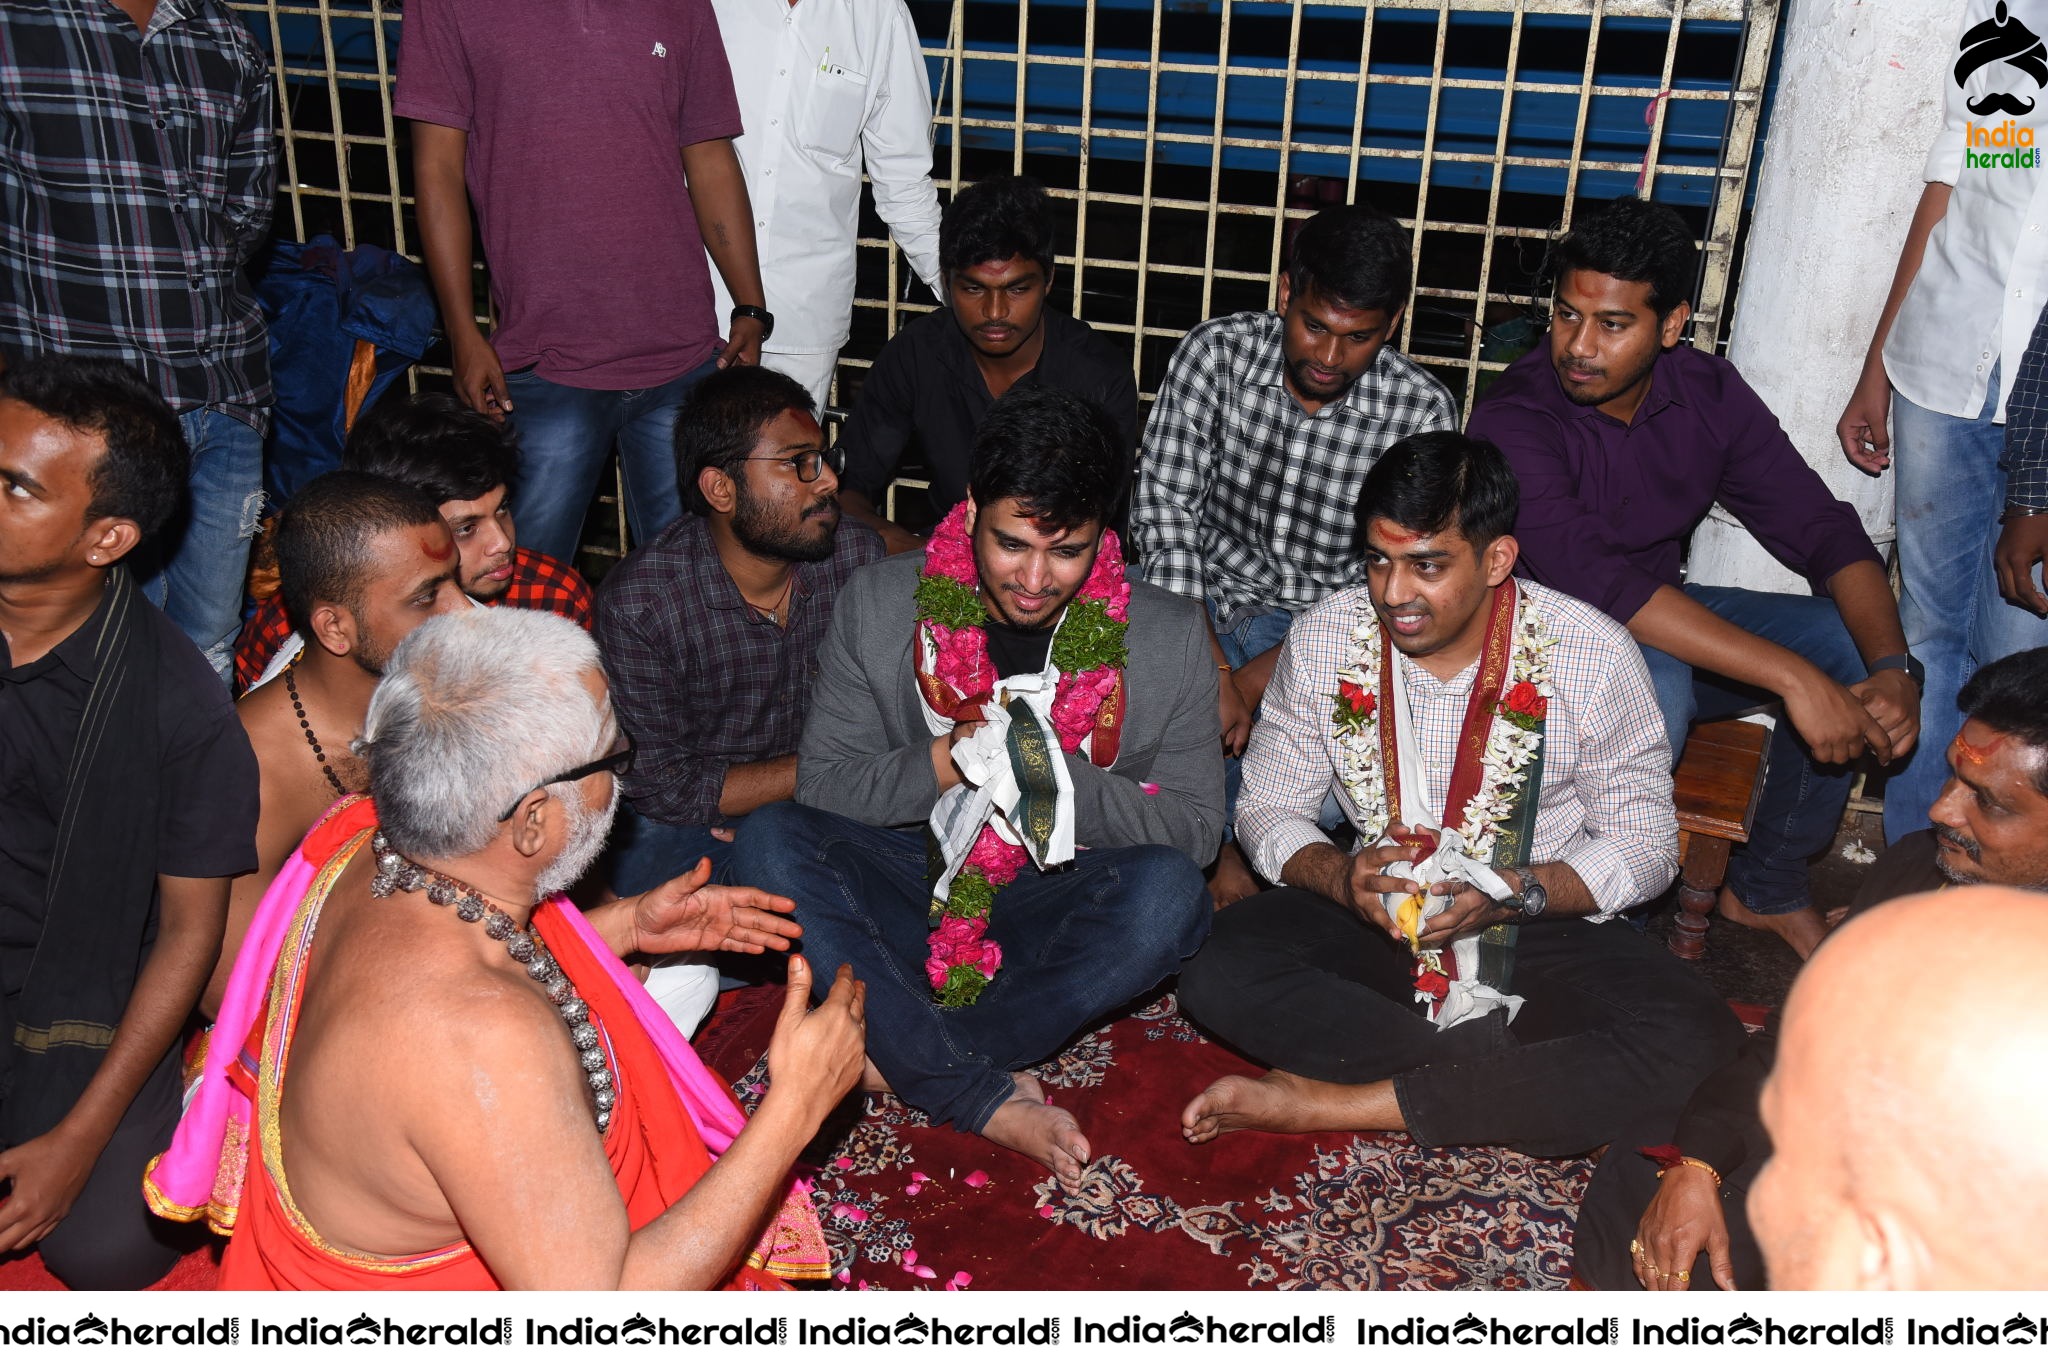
{"points": [[1589, 1022], [1263, 431]]}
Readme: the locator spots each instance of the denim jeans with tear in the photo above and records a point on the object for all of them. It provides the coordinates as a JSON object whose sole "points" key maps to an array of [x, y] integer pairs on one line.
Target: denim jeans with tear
{"points": [[197, 568]]}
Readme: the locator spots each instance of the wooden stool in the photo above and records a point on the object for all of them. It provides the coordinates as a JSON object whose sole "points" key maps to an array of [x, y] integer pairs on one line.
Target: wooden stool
{"points": [[1716, 788]]}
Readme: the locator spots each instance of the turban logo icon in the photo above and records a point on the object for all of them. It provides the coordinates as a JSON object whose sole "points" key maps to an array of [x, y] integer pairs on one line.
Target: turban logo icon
{"points": [[2002, 38]]}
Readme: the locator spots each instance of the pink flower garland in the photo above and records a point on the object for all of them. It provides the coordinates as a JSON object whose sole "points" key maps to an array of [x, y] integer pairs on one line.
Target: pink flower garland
{"points": [[960, 660]]}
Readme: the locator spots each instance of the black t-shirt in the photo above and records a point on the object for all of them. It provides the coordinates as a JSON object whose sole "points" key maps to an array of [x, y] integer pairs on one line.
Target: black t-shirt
{"points": [[1013, 651], [925, 399], [206, 812]]}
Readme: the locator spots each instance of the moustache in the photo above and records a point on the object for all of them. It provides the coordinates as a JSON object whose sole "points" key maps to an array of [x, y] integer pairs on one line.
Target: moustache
{"points": [[1957, 838], [829, 503], [1998, 102]]}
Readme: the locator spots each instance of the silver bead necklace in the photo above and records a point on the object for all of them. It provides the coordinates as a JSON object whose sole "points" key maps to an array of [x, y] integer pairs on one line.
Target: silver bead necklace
{"points": [[396, 873]]}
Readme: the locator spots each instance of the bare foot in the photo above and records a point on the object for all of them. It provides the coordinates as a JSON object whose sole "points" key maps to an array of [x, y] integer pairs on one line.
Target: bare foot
{"points": [[871, 1079], [1232, 881], [1284, 1103], [1045, 1134], [1803, 929]]}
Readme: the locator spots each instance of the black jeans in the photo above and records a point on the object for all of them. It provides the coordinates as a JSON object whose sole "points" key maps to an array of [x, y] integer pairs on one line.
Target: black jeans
{"points": [[110, 1241], [1611, 1025], [1619, 1194]]}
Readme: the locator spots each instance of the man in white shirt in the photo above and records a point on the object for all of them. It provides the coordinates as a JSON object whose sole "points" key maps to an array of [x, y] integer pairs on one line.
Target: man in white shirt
{"points": [[1972, 279], [824, 87], [1464, 973]]}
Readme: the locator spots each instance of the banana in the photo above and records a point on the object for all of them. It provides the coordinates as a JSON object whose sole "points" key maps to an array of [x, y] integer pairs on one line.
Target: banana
{"points": [[1408, 919]]}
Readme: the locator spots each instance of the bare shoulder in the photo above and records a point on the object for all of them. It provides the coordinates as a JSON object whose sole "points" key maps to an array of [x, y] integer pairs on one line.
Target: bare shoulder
{"points": [[263, 711]]}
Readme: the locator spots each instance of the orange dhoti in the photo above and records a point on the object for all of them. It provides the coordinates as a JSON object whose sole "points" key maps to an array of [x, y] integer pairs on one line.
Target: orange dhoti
{"points": [[655, 1144]]}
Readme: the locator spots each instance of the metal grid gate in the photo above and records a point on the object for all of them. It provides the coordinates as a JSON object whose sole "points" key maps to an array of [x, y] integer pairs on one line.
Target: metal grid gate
{"points": [[1181, 137]]}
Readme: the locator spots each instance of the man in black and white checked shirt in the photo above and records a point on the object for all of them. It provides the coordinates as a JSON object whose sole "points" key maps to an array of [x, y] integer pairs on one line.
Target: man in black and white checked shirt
{"points": [[2023, 543], [1263, 432], [136, 177]]}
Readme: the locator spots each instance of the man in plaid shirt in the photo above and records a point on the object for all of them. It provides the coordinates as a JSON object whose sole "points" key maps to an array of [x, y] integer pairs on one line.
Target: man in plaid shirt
{"points": [[710, 636], [1262, 433], [1596, 1024], [465, 463], [135, 182]]}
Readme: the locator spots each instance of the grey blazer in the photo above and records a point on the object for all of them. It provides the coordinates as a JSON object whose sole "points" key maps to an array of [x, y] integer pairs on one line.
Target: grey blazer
{"points": [[866, 751]]}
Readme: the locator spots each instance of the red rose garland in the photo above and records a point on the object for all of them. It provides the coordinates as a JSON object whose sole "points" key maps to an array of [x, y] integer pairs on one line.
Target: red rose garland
{"points": [[956, 678]]}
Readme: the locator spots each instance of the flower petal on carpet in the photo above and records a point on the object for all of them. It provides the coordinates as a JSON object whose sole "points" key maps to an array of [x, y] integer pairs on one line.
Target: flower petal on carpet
{"points": [[1287, 1212]]}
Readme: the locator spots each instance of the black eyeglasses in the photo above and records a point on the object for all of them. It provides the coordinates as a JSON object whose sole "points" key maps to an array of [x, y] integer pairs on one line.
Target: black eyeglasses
{"points": [[810, 464], [619, 761]]}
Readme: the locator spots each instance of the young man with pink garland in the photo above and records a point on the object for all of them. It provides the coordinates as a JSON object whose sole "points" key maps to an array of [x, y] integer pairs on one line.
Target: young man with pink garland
{"points": [[1005, 699]]}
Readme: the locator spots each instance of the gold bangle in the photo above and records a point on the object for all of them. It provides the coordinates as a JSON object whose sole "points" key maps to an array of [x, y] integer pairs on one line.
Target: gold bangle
{"points": [[1225, 668], [1689, 1162]]}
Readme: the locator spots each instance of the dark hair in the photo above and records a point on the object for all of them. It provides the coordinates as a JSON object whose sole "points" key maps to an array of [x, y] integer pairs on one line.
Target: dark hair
{"points": [[1434, 481], [1352, 255], [1632, 239], [2011, 695], [994, 220], [323, 537], [142, 475], [1056, 453], [717, 426], [436, 443]]}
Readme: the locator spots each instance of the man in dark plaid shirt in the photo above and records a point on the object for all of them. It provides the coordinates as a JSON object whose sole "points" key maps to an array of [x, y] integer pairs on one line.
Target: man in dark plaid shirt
{"points": [[135, 181], [2023, 542], [1258, 443], [466, 464], [710, 636]]}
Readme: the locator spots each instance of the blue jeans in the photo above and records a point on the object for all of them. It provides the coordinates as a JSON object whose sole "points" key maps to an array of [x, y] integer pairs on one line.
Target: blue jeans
{"points": [[1801, 806], [196, 570], [565, 434], [1075, 945], [1950, 493], [647, 853], [1253, 635]]}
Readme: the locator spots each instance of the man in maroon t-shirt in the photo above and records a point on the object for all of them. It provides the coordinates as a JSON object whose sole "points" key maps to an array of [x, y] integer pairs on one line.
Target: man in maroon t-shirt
{"points": [[562, 121]]}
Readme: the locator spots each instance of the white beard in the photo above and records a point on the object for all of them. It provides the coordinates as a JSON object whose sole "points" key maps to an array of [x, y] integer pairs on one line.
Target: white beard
{"points": [[587, 831]]}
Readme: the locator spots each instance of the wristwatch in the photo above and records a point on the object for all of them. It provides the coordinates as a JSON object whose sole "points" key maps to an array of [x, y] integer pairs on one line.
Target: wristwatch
{"points": [[760, 315], [1529, 903], [1915, 671]]}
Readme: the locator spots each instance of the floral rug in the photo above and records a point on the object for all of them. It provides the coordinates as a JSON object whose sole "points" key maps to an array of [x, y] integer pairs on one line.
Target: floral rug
{"points": [[907, 1204]]}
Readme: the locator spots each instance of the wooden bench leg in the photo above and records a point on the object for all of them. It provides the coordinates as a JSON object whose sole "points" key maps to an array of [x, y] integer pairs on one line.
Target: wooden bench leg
{"points": [[1699, 887]]}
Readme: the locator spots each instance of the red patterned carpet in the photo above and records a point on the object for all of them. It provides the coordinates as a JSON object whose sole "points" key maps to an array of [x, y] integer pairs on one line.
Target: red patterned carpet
{"points": [[909, 1205]]}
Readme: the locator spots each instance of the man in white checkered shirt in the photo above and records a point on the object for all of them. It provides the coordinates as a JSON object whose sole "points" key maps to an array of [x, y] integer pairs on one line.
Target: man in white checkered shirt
{"points": [[1263, 431], [1594, 1024]]}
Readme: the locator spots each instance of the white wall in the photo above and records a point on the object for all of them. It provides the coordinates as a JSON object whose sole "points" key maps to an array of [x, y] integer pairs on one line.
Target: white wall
{"points": [[1858, 100]]}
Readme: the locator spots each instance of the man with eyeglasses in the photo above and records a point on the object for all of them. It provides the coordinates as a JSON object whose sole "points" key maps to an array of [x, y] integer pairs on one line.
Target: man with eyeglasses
{"points": [[710, 634], [474, 1091]]}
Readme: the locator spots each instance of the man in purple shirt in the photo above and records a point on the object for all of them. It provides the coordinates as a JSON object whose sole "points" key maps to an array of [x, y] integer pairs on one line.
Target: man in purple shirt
{"points": [[563, 123], [1622, 440]]}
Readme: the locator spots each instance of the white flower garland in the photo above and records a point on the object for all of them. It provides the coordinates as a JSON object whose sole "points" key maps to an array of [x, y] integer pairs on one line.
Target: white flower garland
{"points": [[1509, 748]]}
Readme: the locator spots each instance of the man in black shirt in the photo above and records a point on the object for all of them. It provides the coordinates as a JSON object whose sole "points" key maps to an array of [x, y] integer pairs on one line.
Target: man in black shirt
{"points": [[1689, 1227], [128, 797], [933, 383]]}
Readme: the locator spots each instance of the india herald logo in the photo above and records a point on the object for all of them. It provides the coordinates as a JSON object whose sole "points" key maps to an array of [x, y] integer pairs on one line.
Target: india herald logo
{"points": [[2002, 38]]}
